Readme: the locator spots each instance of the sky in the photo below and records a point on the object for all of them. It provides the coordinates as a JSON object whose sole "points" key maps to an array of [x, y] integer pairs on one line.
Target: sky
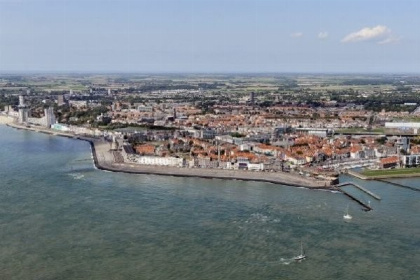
{"points": [[210, 36]]}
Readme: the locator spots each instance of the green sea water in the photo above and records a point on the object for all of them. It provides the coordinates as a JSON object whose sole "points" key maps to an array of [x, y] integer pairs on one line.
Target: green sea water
{"points": [[60, 218]]}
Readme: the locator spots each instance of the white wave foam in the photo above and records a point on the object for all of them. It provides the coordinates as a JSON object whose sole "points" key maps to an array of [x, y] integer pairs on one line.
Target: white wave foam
{"points": [[77, 176]]}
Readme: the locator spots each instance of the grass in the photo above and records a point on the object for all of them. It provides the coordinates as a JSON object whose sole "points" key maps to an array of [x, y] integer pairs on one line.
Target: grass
{"points": [[401, 171]]}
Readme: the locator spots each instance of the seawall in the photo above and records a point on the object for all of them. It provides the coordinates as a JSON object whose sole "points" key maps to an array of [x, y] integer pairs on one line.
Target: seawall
{"points": [[103, 160]]}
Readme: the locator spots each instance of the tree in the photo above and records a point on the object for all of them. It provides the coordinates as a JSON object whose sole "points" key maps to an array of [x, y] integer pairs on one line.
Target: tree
{"points": [[381, 140]]}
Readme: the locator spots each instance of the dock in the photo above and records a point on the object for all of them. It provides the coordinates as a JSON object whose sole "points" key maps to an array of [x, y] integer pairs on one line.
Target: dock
{"points": [[377, 197], [398, 185]]}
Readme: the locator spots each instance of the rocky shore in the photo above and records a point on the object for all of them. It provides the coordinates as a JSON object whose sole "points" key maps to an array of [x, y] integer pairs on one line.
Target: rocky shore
{"points": [[104, 160]]}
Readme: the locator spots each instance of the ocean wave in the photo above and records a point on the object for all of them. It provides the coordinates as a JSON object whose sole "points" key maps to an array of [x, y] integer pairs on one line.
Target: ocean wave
{"points": [[77, 176]]}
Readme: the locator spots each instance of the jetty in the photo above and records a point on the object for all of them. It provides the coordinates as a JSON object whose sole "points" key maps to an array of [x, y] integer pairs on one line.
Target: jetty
{"points": [[398, 185], [377, 197], [366, 206]]}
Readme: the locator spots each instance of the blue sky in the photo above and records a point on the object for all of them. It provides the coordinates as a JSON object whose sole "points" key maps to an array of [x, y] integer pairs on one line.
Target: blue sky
{"points": [[210, 36]]}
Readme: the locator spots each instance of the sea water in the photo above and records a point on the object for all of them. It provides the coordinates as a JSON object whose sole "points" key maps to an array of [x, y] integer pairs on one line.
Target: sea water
{"points": [[60, 218]]}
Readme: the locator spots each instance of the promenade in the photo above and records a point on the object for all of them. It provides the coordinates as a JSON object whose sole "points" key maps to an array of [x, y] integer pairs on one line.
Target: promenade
{"points": [[104, 160]]}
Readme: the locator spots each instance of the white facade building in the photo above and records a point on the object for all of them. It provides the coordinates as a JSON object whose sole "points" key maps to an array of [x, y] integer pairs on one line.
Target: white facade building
{"points": [[165, 161]]}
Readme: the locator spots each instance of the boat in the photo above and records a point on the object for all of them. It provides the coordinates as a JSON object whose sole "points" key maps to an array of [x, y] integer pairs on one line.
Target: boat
{"points": [[347, 216], [302, 255]]}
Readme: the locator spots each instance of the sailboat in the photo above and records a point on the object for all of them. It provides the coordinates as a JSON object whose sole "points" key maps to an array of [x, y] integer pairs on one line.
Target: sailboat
{"points": [[302, 255], [347, 216]]}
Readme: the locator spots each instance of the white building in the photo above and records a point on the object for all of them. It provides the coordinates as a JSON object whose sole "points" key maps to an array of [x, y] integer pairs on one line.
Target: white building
{"points": [[414, 126], [165, 161]]}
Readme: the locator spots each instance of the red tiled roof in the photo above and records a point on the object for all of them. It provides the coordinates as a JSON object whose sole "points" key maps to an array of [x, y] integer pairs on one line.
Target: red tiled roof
{"points": [[389, 160]]}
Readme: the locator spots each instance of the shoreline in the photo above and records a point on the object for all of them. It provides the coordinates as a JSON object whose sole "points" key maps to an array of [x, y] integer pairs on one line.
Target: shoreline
{"points": [[103, 160]]}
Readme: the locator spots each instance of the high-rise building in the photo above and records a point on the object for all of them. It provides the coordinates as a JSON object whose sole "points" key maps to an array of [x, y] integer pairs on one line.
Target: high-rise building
{"points": [[23, 110], [49, 117], [252, 98], [60, 100]]}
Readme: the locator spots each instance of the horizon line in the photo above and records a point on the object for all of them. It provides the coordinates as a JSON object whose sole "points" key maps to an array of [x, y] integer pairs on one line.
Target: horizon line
{"points": [[111, 72]]}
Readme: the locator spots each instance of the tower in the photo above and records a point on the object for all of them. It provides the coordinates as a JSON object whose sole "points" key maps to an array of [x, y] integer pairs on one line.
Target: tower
{"points": [[23, 110], [49, 117], [60, 100], [252, 97]]}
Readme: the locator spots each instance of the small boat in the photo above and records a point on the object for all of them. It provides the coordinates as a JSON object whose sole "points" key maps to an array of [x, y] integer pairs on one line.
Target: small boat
{"points": [[302, 255], [347, 216]]}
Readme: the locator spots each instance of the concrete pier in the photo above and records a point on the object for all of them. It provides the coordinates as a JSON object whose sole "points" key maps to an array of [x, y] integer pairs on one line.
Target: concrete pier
{"points": [[366, 206], [360, 188]]}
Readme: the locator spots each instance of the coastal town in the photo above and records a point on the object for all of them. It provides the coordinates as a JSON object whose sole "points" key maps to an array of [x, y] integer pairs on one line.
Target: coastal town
{"points": [[290, 130]]}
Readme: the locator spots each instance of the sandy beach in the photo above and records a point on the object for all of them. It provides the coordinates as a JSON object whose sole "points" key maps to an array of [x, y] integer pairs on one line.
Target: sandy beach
{"points": [[5, 119]]}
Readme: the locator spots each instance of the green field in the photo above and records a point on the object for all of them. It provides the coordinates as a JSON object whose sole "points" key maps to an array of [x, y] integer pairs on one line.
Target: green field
{"points": [[391, 172]]}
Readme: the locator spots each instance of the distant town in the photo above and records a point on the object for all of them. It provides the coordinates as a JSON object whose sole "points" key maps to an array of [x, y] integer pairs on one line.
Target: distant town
{"points": [[313, 126]]}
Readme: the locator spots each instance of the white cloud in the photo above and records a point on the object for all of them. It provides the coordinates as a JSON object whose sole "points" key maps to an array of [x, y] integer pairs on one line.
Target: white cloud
{"points": [[296, 34], [389, 40], [368, 34], [322, 35]]}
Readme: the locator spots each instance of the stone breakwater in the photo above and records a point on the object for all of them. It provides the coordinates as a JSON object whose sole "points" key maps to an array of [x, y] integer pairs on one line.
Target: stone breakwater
{"points": [[104, 160]]}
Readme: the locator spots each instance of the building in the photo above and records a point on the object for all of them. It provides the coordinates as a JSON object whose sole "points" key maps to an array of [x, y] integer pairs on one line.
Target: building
{"points": [[413, 126], [411, 160], [78, 103], [49, 117], [60, 100], [390, 162], [321, 132], [23, 110], [165, 161], [47, 120], [252, 98], [207, 134]]}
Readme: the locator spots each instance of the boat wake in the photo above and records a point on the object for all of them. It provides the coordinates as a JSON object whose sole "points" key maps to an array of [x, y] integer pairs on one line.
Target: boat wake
{"points": [[285, 261], [282, 261]]}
